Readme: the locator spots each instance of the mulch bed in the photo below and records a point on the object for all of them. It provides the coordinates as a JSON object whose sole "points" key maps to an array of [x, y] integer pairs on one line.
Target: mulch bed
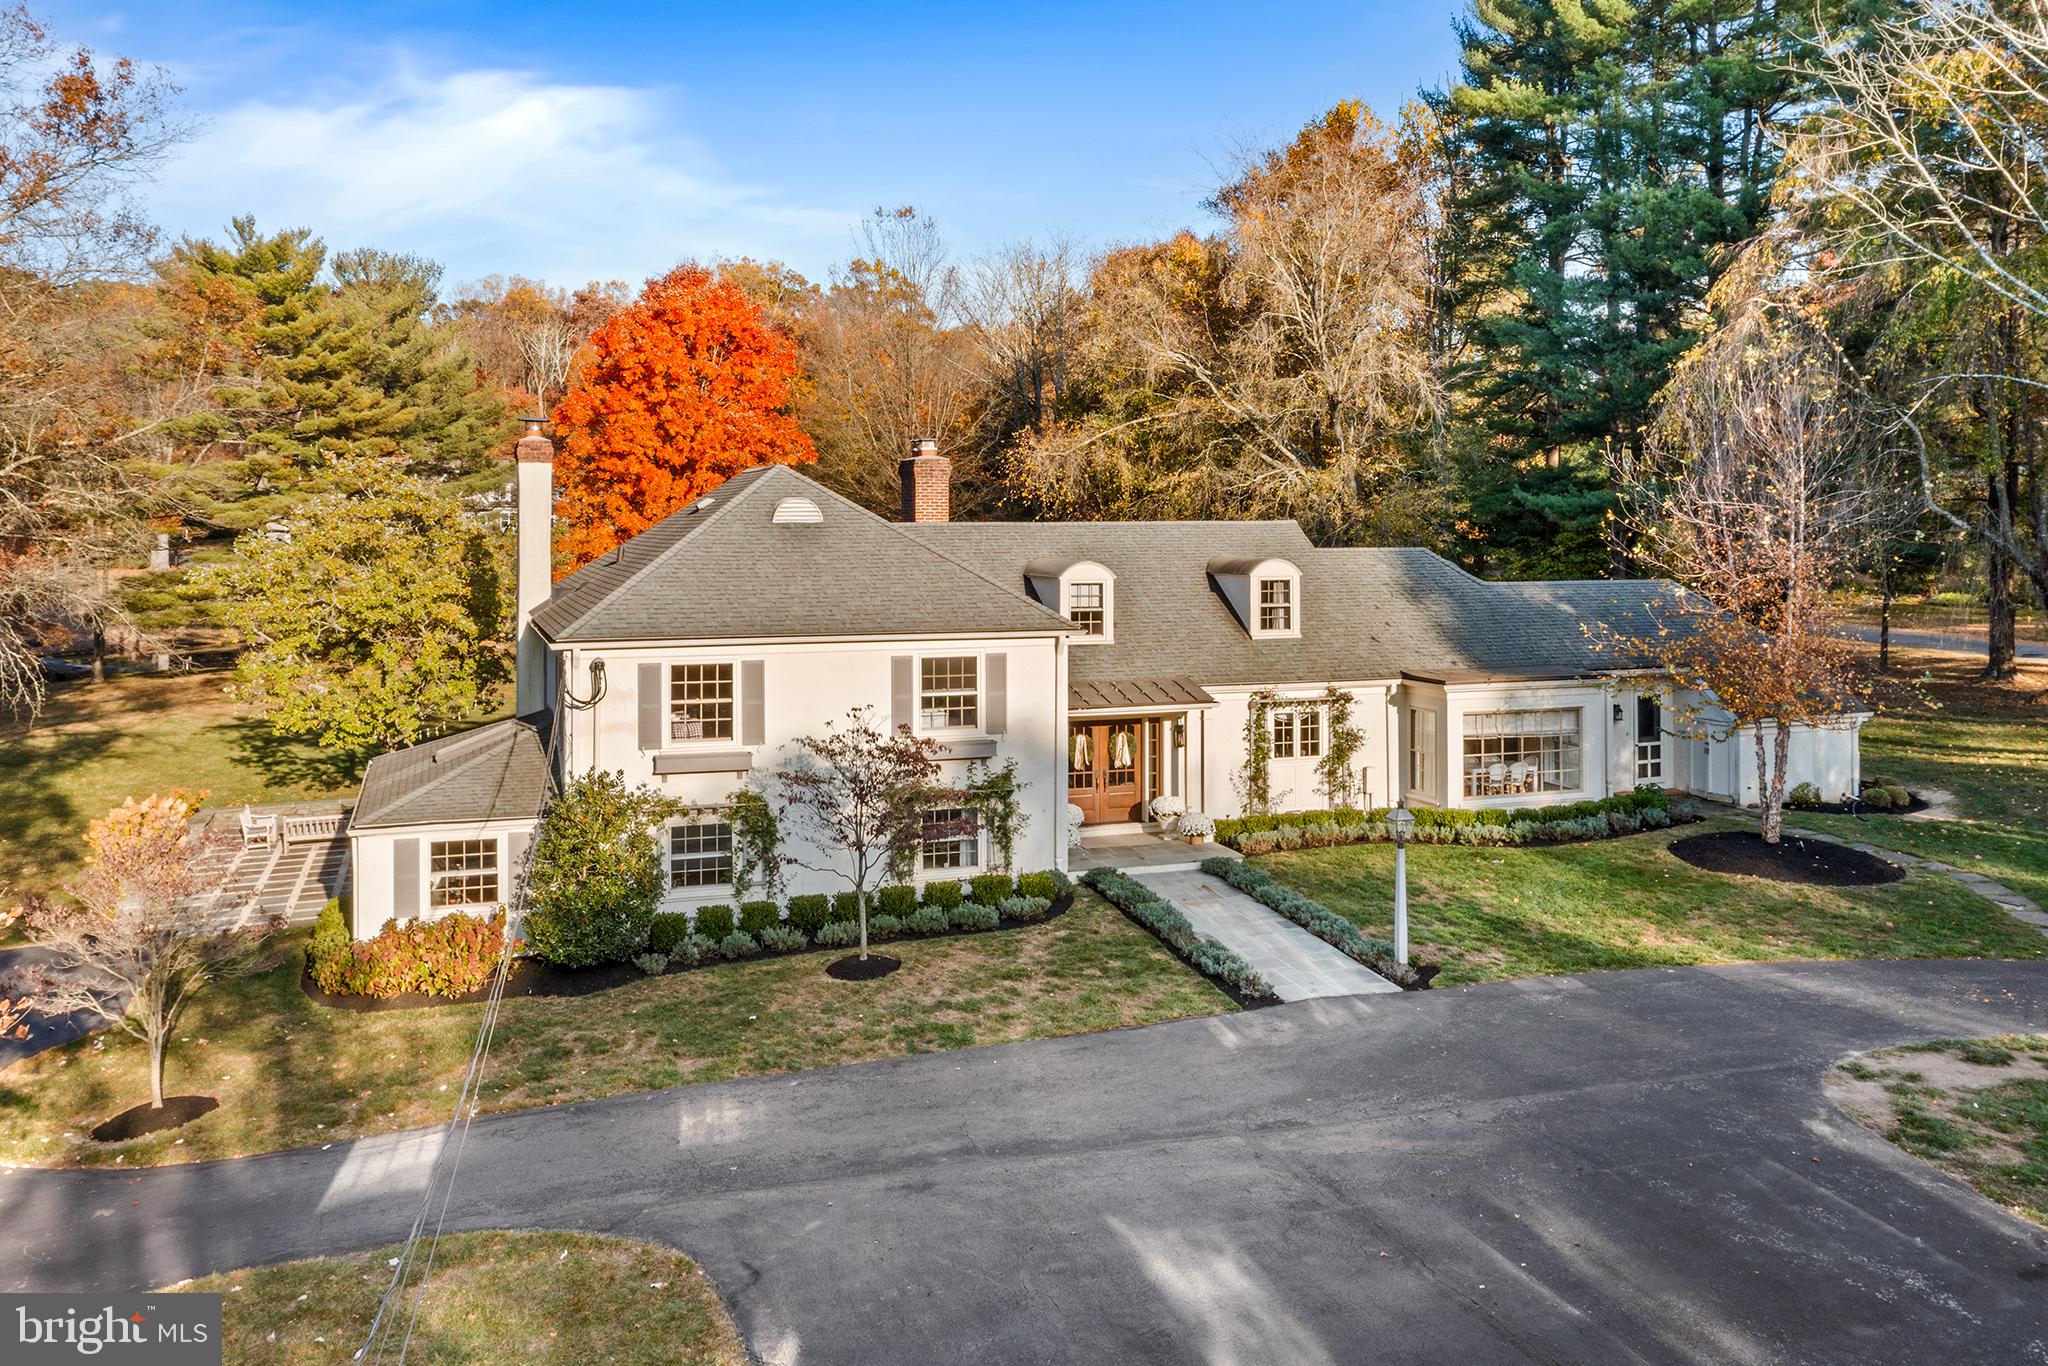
{"points": [[1813, 862], [854, 968], [532, 977], [141, 1119], [1918, 803]]}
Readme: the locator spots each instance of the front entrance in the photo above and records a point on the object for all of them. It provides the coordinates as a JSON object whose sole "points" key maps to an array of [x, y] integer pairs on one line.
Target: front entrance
{"points": [[1102, 771]]}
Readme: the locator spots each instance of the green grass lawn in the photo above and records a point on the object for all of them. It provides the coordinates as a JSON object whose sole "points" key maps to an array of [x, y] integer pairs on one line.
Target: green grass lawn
{"points": [[494, 1297], [1976, 1108], [97, 744], [289, 1072], [1630, 903], [1986, 744]]}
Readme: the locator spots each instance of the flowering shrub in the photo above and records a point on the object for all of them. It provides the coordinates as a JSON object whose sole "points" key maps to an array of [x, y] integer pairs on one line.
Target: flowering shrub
{"points": [[1167, 806], [1196, 824], [452, 956], [1075, 815]]}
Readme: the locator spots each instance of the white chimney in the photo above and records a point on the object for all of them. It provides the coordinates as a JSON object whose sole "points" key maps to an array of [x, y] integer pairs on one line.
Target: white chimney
{"points": [[536, 563]]}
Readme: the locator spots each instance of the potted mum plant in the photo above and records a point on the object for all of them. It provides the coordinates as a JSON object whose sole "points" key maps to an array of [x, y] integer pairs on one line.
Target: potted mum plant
{"points": [[1196, 828]]}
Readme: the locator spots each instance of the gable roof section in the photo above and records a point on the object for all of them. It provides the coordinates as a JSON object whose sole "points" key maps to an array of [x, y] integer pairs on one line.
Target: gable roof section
{"points": [[727, 569], [495, 772]]}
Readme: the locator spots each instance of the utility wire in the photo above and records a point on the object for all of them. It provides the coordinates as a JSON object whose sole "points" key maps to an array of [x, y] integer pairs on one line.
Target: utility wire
{"points": [[384, 1324]]}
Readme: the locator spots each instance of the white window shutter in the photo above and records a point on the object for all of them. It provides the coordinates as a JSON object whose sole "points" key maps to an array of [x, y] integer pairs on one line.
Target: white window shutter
{"points": [[995, 709], [650, 706]]}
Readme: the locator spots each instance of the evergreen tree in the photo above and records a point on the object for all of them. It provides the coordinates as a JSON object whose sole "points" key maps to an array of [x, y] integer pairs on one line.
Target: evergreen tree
{"points": [[1608, 152]]}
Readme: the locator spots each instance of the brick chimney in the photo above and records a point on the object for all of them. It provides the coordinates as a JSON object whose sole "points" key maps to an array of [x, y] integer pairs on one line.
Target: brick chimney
{"points": [[535, 456], [927, 479]]}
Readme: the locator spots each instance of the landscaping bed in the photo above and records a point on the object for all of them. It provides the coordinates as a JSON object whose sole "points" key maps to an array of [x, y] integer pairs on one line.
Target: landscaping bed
{"points": [[1819, 863], [1488, 914], [563, 1298], [1647, 808], [533, 977], [1225, 969], [1975, 1108], [288, 1072], [1334, 930]]}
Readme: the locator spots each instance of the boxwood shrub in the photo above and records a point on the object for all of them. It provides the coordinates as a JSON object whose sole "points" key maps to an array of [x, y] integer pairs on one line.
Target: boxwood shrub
{"points": [[670, 928], [715, 922], [990, 889], [944, 895], [1324, 924], [1645, 808], [1206, 956], [899, 900], [810, 912], [756, 916], [845, 906], [1048, 884]]}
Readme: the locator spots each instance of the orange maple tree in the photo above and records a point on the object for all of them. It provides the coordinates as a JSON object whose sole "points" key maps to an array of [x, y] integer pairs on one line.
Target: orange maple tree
{"points": [[682, 390]]}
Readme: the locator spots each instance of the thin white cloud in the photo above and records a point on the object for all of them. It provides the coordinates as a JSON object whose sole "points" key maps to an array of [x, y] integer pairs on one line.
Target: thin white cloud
{"points": [[490, 170]]}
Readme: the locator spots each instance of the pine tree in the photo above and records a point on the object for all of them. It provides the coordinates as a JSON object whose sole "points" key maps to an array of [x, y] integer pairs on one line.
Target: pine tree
{"points": [[1608, 152]]}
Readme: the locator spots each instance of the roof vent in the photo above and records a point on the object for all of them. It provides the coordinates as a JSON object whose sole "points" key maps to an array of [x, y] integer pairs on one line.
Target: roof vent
{"points": [[798, 510], [703, 504]]}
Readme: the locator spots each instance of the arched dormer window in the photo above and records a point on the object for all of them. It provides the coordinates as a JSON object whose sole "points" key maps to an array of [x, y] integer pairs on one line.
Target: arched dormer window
{"points": [[1082, 591], [1264, 595]]}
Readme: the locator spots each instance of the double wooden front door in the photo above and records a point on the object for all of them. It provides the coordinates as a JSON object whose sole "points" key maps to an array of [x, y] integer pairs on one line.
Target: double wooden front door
{"points": [[1103, 763]]}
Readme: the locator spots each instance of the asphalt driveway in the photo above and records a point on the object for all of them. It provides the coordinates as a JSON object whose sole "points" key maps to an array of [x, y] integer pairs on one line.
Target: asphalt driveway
{"points": [[1627, 1167]]}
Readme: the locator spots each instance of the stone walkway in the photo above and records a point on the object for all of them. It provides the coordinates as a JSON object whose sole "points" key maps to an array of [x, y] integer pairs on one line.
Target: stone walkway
{"points": [[1298, 964]]}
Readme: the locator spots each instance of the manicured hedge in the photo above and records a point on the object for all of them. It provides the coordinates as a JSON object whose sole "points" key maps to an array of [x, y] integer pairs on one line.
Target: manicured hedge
{"points": [[992, 889], [1647, 808], [756, 916], [944, 895], [1206, 956], [452, 956], [670, 929], [810, 912], [715, 922], [1318, 920], [899, 900]]}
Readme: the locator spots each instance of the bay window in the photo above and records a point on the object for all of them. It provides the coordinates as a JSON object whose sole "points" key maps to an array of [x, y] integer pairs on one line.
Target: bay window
{"points": [[1514, 753]]}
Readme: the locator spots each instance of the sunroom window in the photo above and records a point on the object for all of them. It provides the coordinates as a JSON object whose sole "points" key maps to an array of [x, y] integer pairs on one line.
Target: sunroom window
{"points": [[1515, 753]]}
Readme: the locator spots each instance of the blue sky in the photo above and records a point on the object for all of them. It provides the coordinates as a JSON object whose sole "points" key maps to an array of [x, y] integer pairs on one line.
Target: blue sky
{"points": [[579, 142]]}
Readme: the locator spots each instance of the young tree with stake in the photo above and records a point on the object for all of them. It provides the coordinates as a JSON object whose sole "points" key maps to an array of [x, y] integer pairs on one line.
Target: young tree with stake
{"points": [[854, 803], [144, 937]]}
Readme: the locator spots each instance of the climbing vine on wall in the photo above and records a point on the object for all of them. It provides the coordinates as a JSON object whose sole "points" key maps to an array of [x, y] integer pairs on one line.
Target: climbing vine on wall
{"points": [[1256, 781], [756, 841], [1340, 745], [992, 795]]}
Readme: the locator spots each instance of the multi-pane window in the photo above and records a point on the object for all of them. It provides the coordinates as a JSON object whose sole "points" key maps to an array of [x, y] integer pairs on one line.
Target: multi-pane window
{"points": [[1511, 753], [952, 838], [700, 702], [1421, 749], [700, 854], [1276, 604], [1297, 734], [462, 873], [947, 696], [1084, 606], [1649, 739]]}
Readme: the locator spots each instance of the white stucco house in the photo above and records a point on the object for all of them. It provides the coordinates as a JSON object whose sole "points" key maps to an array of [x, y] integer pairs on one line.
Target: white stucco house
{"points": [[1115, 663]]}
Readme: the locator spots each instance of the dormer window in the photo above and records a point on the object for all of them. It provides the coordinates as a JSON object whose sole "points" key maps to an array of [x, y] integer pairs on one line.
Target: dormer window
{"points": [[1264, 595], [1082, 591], [1085, 606], [1276, 605]]}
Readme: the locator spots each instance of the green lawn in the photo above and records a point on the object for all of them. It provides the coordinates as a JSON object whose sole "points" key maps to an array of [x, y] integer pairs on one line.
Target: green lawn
{"points": [[1976, 1108], [99, 743], [289, 1072], [1988, 745], [494, 1297], [1487, 914]]}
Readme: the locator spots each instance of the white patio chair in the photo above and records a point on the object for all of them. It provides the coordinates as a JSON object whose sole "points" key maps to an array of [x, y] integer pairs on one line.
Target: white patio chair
{"points": [[1522, 777], [1496, 778], [258, 831]]}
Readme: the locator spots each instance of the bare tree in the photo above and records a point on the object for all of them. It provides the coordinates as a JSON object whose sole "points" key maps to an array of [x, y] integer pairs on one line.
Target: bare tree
{"points": [[1926, 162], [146, 933], [1757, 492], [76, 134], [1023, 310], [861, 799]]}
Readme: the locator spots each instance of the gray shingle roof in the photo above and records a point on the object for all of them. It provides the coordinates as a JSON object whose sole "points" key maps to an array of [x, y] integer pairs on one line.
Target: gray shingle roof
{"points": [[495, 772], [726, 568]]}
